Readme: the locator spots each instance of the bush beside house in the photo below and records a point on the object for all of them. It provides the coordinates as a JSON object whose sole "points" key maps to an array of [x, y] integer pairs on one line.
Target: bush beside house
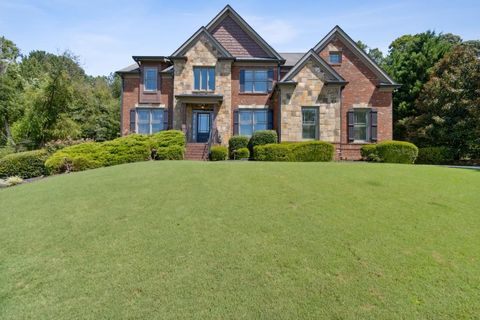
{"points": [[390, 152], [309, 151], [262, 137], [218, 153], [242, 153], [235, 143]]}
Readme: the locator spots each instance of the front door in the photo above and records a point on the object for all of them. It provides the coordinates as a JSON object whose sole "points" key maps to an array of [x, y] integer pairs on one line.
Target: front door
{"points": [[203, 126]]}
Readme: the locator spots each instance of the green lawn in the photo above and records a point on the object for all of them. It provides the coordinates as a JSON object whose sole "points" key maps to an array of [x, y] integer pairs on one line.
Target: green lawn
{"points": [[243, 240]]}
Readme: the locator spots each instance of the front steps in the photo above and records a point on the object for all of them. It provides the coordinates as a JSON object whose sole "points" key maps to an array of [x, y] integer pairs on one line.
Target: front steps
{"points": [[196, 151]]}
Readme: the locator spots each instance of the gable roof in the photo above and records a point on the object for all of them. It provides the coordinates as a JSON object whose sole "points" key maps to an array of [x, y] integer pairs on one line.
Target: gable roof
{"points": [[133, 68], [291, 58], [180, 52], [301, 63], [229, 12], [337, 31]]}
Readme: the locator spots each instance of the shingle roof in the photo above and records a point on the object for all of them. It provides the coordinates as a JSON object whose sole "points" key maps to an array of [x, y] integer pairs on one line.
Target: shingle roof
{"points": [[130, 69], [291, 58]]}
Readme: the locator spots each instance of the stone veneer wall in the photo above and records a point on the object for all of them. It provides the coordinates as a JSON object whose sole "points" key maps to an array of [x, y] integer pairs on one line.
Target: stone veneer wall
{"points": [[202, 53], [310, 91]]}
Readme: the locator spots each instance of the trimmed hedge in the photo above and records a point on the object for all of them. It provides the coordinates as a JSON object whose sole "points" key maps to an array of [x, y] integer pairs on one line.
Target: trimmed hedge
{"points": [[435, 155], [4, 151], [308, 151], [218, 153], [242, 153], [235, 143], [169, 145], [28, 164], [369, 153], [396, 152], [170, 153], [262, 137]]}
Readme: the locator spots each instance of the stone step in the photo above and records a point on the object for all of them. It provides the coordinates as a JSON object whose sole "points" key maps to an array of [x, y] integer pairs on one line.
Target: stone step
{"points": [[196, 151]]}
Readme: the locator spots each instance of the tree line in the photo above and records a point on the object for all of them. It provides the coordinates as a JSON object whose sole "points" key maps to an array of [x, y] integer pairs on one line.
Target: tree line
{"points": [[46, 96]]}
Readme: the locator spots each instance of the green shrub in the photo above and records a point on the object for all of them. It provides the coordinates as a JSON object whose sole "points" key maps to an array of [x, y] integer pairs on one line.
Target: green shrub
{"points": [[307, 151], [55, 145], [4, 151], [242, 153], [28, 164], [169, 145], [167, 138], [273, 152], [435, 155], [170, 153], [218, 153], [369, 153], [397, 152], [235, 143], [262, 137], [312, 151]]}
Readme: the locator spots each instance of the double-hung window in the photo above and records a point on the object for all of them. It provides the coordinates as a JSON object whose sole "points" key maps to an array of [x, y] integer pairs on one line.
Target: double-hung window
{"points": [[309, 123], [204, 78], [150, 79], [251, 121], [361, 124], [256, 81], [149, 120]]}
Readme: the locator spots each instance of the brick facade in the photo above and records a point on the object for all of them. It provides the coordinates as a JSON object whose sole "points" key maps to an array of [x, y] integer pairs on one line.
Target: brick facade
{"points": [[361, 88]]}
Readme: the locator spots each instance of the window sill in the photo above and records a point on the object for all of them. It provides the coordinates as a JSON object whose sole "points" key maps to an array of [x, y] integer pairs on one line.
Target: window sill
{"points": [[254, 93], [203, 91], [150, 91], [335, 64]]}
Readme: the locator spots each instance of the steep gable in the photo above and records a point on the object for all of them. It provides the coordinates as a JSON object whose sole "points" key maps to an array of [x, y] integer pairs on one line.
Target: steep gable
{"points": [[239, 38], [202, 35], [337, 34]]}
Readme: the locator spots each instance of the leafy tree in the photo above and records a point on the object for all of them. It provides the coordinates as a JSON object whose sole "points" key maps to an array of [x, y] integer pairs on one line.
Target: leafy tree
{"points": [[449, 104], [410, 60], [374, 53]]}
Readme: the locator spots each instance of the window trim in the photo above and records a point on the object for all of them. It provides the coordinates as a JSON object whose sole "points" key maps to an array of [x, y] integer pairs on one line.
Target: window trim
{"points": [[145, 72], [150, 123], [254, 71], [339, 53], [367, 125], [252, 110], [208, 79], [317, 122]]}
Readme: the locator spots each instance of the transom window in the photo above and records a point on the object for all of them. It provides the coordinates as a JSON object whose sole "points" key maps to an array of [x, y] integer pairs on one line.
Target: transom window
{"points": [[361, 124], [204, 78], [335, 57], [256, 81], [150, 79], [251, 121], [309, 123], [149, 120]]}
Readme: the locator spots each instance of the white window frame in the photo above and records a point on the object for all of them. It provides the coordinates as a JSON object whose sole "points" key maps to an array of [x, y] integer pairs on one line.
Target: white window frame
{"points": [[145, 78], [150, 122], [316, 123], [357, 125]]}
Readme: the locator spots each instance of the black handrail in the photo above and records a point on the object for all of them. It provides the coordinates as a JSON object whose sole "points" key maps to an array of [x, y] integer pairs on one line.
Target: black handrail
{"points": [[213, 136]]}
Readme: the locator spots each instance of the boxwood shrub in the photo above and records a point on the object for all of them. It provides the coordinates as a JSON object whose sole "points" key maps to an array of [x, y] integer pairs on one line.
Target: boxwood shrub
{"points": [[235, 143], [435, 155], [396, 152], [369, 152], [132, 148], [218, 153], [242, 153], [262, 137], [28, 164], [308, 151]]}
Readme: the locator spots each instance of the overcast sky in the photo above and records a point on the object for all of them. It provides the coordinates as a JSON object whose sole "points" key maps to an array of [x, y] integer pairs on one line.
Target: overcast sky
{"points": [[105, 34]]}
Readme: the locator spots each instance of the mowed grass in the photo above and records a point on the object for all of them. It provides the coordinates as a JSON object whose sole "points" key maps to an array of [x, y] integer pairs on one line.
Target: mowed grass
{"points": [[243, 240]]}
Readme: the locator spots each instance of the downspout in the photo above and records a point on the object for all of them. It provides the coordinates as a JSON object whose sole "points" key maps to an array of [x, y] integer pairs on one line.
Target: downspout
{"points": [[121, 106], [279, 97], [340, 155]]}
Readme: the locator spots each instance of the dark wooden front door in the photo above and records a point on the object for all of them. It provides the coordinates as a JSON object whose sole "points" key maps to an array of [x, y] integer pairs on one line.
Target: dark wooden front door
{"points": [[203, 126]]}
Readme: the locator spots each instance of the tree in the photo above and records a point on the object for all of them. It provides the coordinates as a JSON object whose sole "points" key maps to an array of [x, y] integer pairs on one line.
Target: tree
{"points": [[10, 84], [409, 62], [449, 104], [374, 53]]}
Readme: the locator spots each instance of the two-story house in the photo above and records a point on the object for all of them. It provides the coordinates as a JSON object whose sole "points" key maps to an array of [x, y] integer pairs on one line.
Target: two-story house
{"points": [[227, 80]]}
